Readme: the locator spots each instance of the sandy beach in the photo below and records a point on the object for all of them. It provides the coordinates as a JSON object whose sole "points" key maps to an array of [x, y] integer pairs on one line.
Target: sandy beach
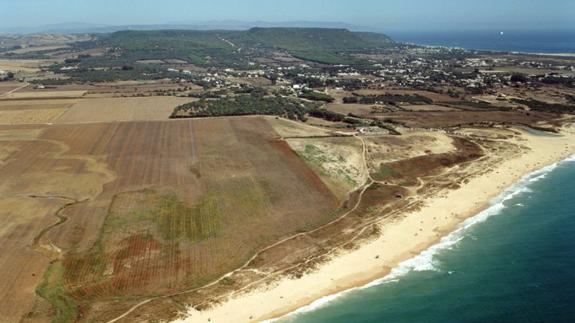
{"points": [[400, 240]]}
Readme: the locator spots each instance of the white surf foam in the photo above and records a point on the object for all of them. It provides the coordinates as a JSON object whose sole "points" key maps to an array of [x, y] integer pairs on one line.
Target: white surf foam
{"points": [[426, 261]]}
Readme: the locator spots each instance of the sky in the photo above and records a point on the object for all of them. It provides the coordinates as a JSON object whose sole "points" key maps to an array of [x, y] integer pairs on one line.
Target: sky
{"points": [[394, 15]]}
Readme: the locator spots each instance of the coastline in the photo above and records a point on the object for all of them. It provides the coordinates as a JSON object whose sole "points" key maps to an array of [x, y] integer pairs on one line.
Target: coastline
{"points": [[401, 241], [496, 51]]}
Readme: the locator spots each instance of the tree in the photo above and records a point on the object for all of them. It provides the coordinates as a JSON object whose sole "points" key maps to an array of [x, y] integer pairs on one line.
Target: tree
{"points": [[350, 99], [273, 77], [518, 78]]}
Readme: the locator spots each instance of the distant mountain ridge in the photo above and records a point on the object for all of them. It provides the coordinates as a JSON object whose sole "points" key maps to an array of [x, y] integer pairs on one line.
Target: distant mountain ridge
{"points": [[83, 28]]}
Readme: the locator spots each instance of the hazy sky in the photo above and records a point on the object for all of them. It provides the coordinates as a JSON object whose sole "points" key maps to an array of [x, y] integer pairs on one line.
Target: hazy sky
{"points": [[386, 14]]}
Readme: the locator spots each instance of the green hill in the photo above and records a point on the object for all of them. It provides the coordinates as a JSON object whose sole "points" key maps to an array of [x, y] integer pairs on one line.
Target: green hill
{"points": [[232, 48], [297, 39]]}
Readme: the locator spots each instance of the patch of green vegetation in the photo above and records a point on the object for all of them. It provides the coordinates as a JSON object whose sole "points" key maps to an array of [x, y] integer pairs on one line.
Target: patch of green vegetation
{"points": [[328, 115], [325, 57], [541, 106], [245, 105], [316, 96], [314, 155], [228, 281], [352, 182], [173, 218], [52, 289], [384, 172], [176, 220], [246, 196]]}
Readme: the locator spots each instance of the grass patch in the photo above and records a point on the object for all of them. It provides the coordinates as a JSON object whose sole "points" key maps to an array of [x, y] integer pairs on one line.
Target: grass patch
{"points": [[176, 220], [384, 172], [247, 197], [315, 155], [173, 219], [52, 289]]}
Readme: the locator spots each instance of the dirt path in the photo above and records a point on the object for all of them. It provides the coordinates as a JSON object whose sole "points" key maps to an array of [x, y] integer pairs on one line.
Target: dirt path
{"points": [[6, 94], [50, 250]]}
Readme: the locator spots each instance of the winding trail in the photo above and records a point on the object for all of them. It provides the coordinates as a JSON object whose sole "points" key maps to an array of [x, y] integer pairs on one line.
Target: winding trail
{"points": [[50, 249]]}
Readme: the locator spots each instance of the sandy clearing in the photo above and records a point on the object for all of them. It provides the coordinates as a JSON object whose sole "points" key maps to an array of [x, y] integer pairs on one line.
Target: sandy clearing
{"points": [[338, 160], [411, 144], [288, 128]]}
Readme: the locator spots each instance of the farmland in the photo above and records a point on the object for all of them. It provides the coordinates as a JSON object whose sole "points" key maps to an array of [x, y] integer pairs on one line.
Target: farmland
{"points": [[144, 213], [64, 107], [121, 109]]}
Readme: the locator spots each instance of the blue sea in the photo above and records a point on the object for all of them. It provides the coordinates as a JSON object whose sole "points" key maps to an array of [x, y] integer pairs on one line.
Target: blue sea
{"points": [[513, 262], [506, 41]]}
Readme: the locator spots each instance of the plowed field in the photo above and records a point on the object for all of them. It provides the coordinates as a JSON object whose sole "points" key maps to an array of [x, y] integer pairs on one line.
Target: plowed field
{"points": [[103, 212]]}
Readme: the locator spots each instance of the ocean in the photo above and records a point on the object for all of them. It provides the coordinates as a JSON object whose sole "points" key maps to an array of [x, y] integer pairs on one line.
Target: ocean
{"points": [[507, 41], [513, 262]]}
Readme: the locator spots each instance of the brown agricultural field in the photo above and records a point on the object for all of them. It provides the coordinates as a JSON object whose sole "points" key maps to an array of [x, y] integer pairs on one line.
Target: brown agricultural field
{"points": [[30, 201], [19, 112], [29, 116], [23, 65], [101, 212], [122, 109], [357, 109], [35, 104], [6, 87]]}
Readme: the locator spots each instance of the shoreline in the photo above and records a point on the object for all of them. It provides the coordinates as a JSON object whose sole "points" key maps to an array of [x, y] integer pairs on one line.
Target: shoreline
{"points": [[402, 240], [448, 240], [496, 51]]}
